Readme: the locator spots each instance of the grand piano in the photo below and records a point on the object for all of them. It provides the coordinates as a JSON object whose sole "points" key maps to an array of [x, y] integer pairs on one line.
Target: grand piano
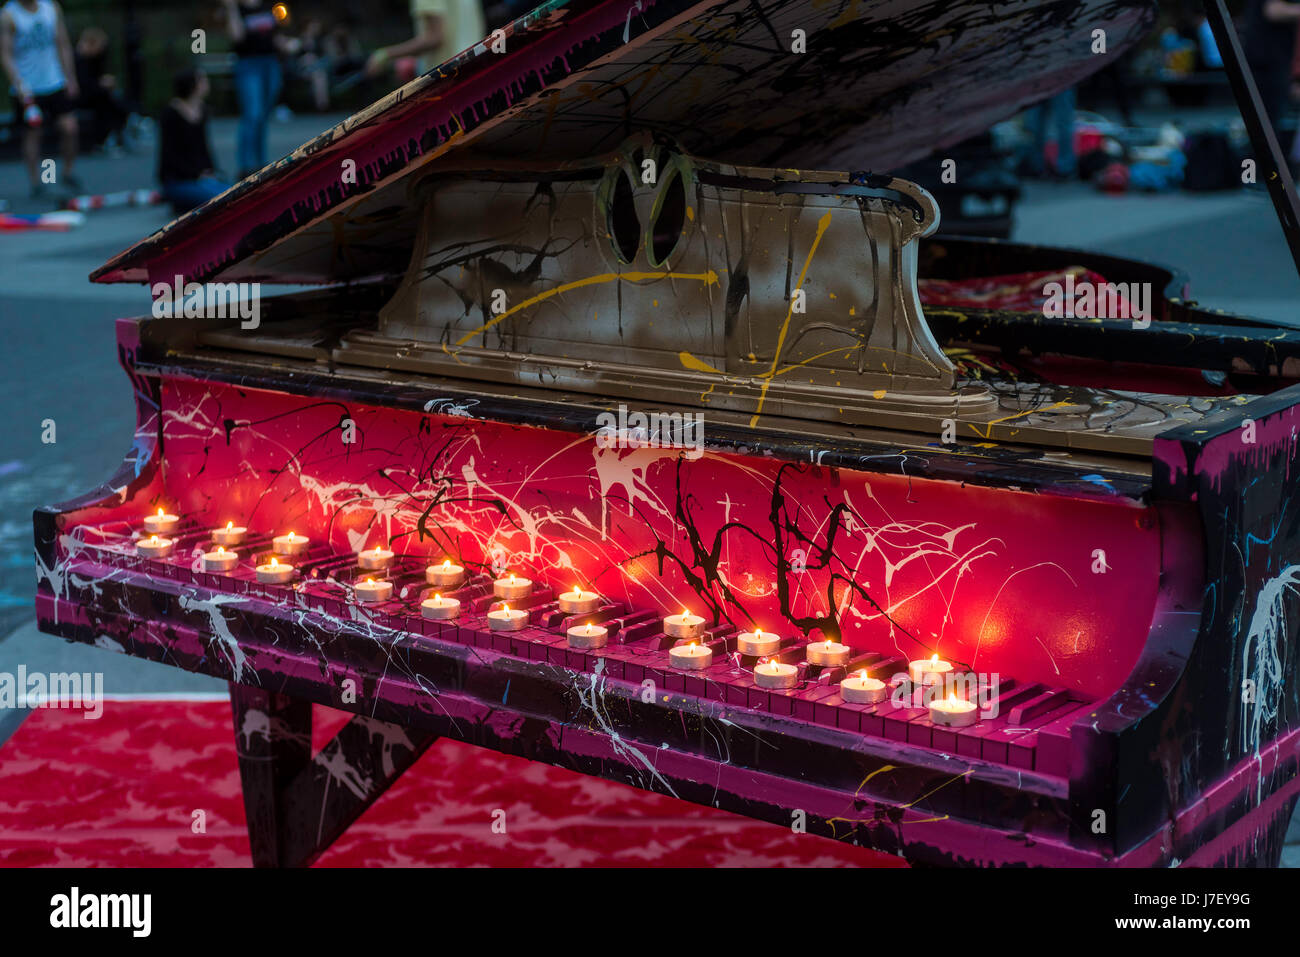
{"points": [[619, 437]]}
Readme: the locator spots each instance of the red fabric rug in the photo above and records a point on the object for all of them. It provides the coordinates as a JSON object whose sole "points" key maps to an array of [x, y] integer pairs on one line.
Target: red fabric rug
{"points": [[123, 790]]}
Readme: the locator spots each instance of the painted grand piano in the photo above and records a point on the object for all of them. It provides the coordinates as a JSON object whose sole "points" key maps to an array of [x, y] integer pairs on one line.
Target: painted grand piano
{"points": [[620, 440]]}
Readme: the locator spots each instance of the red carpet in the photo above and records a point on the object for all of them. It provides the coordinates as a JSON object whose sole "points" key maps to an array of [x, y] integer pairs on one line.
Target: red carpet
{"points": [[122, 791]]}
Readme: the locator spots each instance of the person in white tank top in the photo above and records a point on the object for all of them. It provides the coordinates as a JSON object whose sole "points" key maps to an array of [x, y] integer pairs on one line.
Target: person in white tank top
{"points": [[36, 56]]}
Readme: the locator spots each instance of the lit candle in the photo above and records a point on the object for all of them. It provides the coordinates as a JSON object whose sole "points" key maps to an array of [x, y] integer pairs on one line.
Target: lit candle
{"points": [[758, 643], [440, 608], [162, 523], [776, 674], [155, 547], [692, 657], [859, 689], [445, 575], [578, 602], [928, 671], [506, 618], [828, 653], [512, 588], [290, 544], [684, 625], [369, 590], [274, 572], [953, 712], [588, 636], [220, 560], [375, 558], [232, 534]]}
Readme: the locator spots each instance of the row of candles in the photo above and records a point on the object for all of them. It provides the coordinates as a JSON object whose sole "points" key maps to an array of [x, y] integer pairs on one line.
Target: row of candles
{"points": [[689, 655]]}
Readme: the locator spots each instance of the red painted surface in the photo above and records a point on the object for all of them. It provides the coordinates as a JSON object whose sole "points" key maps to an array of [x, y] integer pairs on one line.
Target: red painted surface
{"points": [[1002, 581], [122, 790]]}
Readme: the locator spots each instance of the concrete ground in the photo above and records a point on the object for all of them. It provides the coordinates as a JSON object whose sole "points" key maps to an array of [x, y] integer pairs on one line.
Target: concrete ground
{"points": [[60, 360]]}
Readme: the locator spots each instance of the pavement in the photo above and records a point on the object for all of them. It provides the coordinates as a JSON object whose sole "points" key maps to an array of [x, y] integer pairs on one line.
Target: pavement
{"points": [[60, 358]]}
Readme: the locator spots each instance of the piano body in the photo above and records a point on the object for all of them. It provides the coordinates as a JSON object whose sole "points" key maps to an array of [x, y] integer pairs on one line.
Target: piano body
{"points": [[572, 331]]}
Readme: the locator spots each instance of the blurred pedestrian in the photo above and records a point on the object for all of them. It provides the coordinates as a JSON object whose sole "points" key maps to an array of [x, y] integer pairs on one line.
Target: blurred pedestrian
{"points": [[1269, 41], [37, 58], [443, 28], [1051, 120], [99, 94], [254, 32], [185, 169]]}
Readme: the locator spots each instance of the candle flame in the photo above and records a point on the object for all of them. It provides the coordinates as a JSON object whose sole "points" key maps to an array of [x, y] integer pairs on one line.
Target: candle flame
{"points": [[685, 613], [952, 698], [758, 632], [220, 550], [446, 565], [512, 578], [161, 513], [153, 539], [274, 562], [230, 526], [934, 659], [588, 627], [862, 675]]}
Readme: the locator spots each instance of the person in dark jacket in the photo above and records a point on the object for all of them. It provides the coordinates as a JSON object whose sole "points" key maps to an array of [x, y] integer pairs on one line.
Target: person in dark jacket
{"points": [[1269, 40], [185, 168]]}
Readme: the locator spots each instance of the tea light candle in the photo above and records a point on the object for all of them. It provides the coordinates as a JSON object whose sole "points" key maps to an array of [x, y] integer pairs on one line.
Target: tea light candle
{"points": [[588, 636], [758, 643], [859, 689], [440, 608], [512, 588], [684, 625], [931, 670], [445, 575], [506, 618], [953, 712], [162, 523], [274, 572], [155, 547], [578, 602], [692, 657], [220, 560], [232, 534], [828, 653], [369, 590], [776, 674], [375, 558], [290, 544]]}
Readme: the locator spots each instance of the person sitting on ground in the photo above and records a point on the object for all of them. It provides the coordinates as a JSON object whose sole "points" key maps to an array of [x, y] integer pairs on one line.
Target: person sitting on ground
{"points": [[185, 167]]}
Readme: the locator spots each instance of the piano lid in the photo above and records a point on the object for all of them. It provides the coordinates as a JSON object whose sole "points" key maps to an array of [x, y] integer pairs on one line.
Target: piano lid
{"points": [[847, 84]]}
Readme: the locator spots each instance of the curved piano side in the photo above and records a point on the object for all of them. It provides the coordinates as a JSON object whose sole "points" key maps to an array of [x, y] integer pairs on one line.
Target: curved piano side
{"points": [[1196, 759]]}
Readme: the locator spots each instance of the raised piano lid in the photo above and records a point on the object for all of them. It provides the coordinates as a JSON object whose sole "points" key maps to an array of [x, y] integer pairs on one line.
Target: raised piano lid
{"points": [[881, 83]]}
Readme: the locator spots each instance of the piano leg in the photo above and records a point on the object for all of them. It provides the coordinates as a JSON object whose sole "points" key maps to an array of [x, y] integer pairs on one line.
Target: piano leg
{"points": [[296, 804]]}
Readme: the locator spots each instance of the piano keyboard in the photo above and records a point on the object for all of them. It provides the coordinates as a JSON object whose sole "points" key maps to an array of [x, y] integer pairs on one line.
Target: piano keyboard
{"points": [[1028, 727]]}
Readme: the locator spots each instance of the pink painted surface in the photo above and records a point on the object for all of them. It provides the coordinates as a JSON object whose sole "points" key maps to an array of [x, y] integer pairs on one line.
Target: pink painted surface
{"points": [[1001, 581]]}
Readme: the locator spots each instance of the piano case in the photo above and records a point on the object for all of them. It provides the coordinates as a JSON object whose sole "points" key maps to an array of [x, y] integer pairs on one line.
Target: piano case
{"points": [[576, 326]]}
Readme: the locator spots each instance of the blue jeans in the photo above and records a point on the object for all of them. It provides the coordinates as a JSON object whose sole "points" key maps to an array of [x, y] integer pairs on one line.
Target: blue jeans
{"points": [[185, 194], [257, 85], [1057, 117]]}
